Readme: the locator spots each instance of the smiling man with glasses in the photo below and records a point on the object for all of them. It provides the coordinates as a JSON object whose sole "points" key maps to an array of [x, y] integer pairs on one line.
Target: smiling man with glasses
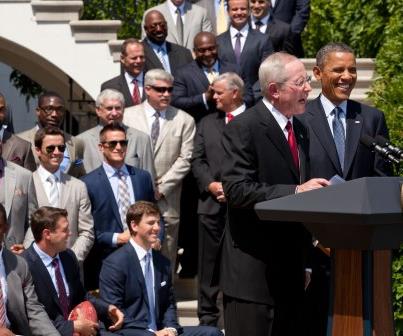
{"points": [[57, 189]]}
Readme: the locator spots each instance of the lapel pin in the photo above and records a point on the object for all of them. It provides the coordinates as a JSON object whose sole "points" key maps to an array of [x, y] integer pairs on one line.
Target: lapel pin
{"points": [[358, 122]]}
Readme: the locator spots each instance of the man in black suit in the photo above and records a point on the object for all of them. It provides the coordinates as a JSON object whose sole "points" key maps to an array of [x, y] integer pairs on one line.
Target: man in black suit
{"points": [[241, 45], [50, 261], [265, 157], [336, 69], [278, 31], [206, 167], [159, 53], [131, 80]]}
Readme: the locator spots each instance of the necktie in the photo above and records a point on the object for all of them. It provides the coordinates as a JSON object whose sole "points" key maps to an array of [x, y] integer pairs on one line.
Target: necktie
{"points": [[339, 135], [237, 49], [148, 277], [54, 192], [230, 116], [2, 308], [136, 93], [179, 26], [123, 196], [292, 142], [211, 75], [221, 22], [63, 299], [155, 128], [258, 25], [161, 54]]}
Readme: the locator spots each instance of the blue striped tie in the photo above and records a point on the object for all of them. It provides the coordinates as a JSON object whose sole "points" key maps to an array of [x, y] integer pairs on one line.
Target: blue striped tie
{"points": [[339, 134]]}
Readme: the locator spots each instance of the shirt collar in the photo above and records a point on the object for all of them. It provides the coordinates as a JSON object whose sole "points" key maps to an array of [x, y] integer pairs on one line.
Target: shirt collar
{"points": [[141, 252], [328, 106], [112, 171], [264, 20], [46, 258], [44, 174], [150, 111], [280, 118], [172, 7], [156, 46], [243, 31], [129, 77], [215, 67], [239, 110]]}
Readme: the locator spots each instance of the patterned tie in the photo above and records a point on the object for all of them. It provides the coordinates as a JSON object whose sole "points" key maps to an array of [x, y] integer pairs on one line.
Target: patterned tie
{"points": [[292, 142], [230, 116], [211, 75], [221, 22], [54, 192], [148, 277], [161, 54], [2, 309], [123, 196], [63, 299], [237, 49], [179, 26], [155, 128], [339, 134], [136, 93], [258, 25]]}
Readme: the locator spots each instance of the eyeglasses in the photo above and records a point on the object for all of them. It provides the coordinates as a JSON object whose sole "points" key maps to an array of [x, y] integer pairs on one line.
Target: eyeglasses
{"points": [[301, 82], [111, 108], [162, 89], [50, 109], [113, 143], [50, 149]]}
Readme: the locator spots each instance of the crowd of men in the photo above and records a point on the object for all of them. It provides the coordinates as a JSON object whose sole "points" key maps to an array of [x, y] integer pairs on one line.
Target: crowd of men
{"points": [[208, 117]]}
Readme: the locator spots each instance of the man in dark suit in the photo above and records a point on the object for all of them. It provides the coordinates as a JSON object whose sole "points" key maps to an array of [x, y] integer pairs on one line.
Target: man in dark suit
{"points": [[48, 257], [138, 281], [206, 167], [112, 188], [130, 81], [294, 12], [241, 45], [265, 157], [336, 69], [22, 314], [279, 32], [159, 53]]}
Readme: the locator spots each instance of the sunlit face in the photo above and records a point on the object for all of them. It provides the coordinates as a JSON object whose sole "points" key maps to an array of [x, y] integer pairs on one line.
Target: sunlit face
{"points": [[224, 97], [259, 8], [238, 12], [58, 238], [110, 110], [112, 148], [51, 153], [338, 76], [205, 50], [177, 2], [156, 27], [133, 60], [146, 231], [50, 112], [159, 94]]}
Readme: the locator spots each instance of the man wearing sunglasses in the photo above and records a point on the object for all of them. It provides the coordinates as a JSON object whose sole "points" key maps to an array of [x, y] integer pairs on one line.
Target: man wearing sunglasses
{"points": [[171, 132], [57, 189], [50, 112], [112, 188]]}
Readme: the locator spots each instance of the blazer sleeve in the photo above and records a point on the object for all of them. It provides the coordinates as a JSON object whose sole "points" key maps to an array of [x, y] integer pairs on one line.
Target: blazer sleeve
{"points": [[29, 160], [180, 96], [32, 203], [301, 16]]}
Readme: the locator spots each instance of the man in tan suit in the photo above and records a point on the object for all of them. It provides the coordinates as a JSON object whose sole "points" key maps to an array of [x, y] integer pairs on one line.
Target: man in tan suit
{"points": [[57, 189], [172, 132], [50, 112]]}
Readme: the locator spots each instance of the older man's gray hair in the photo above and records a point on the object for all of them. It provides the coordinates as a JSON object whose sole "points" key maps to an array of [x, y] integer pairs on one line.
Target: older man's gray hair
{"points": [[331, 48], [110, 94], [233, 81], [154, 75]]}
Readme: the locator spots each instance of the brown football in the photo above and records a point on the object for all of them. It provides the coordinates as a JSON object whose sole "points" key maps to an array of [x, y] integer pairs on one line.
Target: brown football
{"points": [[87, 310]]}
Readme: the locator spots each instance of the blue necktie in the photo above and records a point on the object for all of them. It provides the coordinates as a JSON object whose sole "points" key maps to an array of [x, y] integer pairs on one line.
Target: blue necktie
{"points": [[339, 134], [148, 276]]}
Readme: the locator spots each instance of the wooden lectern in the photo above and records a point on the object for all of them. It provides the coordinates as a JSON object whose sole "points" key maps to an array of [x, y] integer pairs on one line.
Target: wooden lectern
{"points": [[361, 220]]}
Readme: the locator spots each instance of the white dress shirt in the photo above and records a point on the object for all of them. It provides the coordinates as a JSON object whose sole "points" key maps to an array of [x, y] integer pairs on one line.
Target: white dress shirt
{"points": [[236, 112], [172, 10], [244, 31]]}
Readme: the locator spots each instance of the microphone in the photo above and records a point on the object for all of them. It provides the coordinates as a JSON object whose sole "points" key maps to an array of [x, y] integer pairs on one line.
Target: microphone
{"points": [[381, 141], [369, 142]]}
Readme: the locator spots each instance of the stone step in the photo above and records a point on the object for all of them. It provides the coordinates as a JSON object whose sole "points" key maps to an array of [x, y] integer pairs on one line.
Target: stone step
{"points": [[56, 11], [187, 313], [95, 30]]}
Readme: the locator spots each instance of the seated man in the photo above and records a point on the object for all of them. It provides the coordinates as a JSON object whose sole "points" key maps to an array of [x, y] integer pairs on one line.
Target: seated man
{"points": [[56, 275], [20, 311], [138, 280]]}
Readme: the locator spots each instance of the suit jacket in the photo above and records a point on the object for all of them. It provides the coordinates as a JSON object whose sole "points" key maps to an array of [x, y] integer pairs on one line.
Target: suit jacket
{"points": [[294, 12], [195, 21], [18, 151], [257, 47], [138, 154], [207, 160], [257, 166], [191, 82], [122, 283], [47, 293], [20, 201], [26, 315], [172, 152], [178, 56], [74, 198], [209, 6], [75, 169], [359, 160]]}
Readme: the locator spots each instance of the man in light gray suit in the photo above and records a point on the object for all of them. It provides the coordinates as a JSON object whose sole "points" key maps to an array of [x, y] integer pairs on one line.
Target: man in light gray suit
{"points": [[17, 195], [57, 189], [110, 105], [24, 314], [193, 19], [172, 132]]}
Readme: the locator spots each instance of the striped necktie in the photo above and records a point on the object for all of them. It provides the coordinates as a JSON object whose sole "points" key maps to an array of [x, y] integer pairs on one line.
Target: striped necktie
{"points": [[339, 134]]}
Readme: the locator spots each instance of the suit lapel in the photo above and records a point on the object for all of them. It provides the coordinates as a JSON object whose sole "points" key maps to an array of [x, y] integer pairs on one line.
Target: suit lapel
{"points": [[132, 255], [152, 58], [10, 181], [188, 18], [40, 191], [170, 22], [200, 77], [227, 45], [157, 285], [169, 116], [8, 146], [64, 191], [301, 137], [353, 131], [124, 88], [136, 188], [141, 120], [247, 49]]}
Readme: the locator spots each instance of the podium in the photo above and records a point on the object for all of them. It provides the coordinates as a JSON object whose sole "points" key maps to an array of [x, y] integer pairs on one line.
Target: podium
{"points": [[362, 221]]}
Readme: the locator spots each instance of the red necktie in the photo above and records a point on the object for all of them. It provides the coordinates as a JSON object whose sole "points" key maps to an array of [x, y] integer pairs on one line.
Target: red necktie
{"points": [[136, 93], [230, 116], [292, 142]]}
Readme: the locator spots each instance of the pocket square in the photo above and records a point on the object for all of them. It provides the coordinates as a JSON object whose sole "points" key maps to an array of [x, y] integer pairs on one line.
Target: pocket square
{"points": [[163, 283]]}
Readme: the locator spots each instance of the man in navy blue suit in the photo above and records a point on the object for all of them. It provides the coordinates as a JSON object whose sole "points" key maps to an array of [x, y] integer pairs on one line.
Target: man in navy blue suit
{"points": [[112, 187], [138, 280]]}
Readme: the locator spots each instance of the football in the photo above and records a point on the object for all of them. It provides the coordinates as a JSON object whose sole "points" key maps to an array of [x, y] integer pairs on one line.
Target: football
{"points": [[87, 310]]}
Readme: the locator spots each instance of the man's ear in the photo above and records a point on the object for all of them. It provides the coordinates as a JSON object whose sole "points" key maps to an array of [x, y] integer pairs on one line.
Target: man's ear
{"points": [[273, 90], [317, 72]]}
